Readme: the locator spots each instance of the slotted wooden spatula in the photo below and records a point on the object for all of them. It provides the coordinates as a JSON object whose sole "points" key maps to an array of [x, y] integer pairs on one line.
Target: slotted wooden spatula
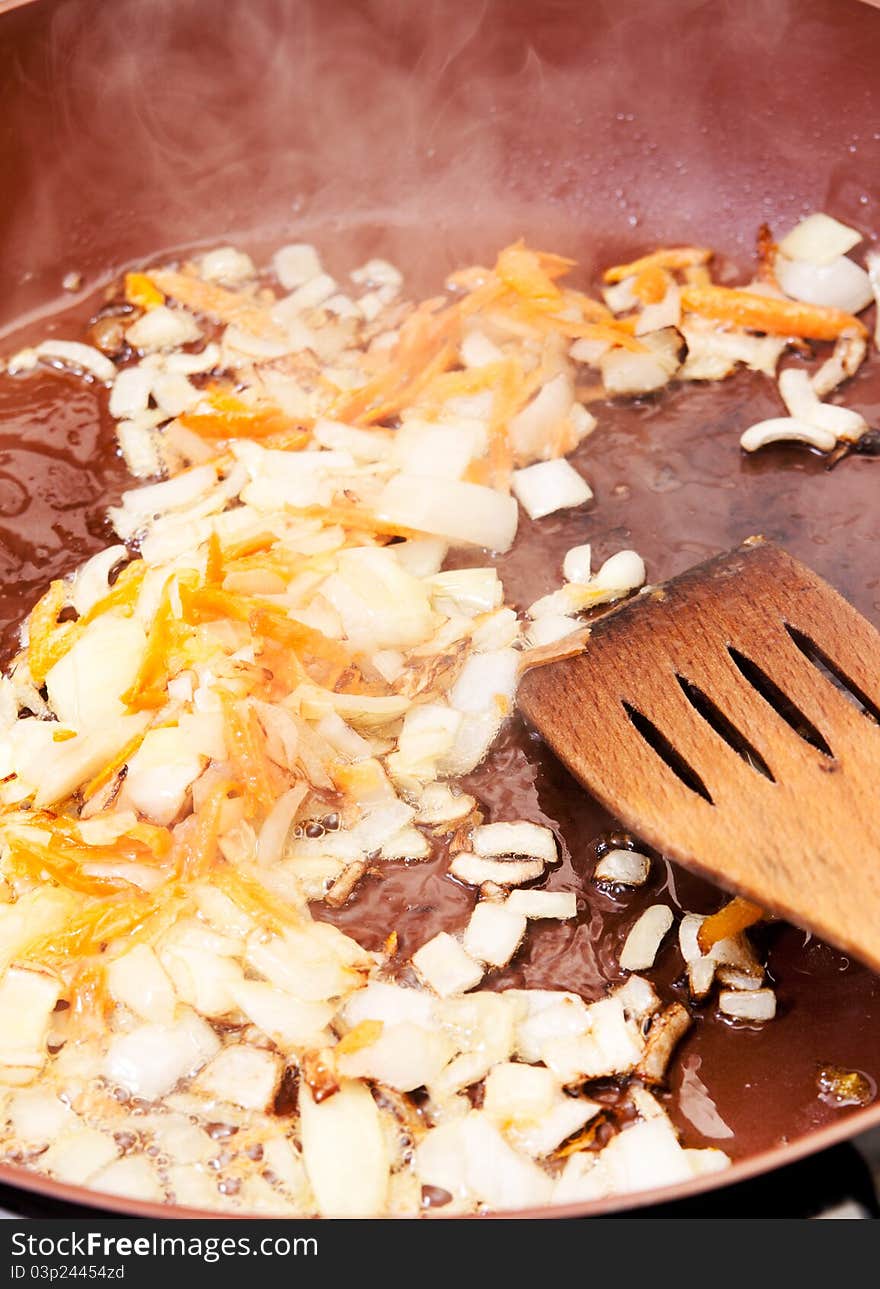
{"points": [[731, 719]]}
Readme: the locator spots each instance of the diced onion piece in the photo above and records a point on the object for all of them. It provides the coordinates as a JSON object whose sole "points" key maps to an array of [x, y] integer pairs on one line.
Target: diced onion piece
{"points": [[748, 1004], [493, 934], [90, 582], [78, 1154], [477, 350], [664, 313], [624, 571], [131, 392], [487, 682], [295, 264], [138, 981], [520, 838], [688, 936], [841, 284], [613, 1045], [803, 404], [161, 772], [38, 1115], [641, 945], [437, 449], [638, 997], [819, 239], [543, 904], [364, 445], [242, 1075], [782, 429], [625, 372], [531, 431], [131, 1177], [623, 868], [75, 354], [445, 966], [548, 486], [391, 1004], [163, 328], [438, 804], [466, 513], [404, 1056], [86, 685], [576, 567], [290, 1022], [227, 265], [549, 628], [344, 1151], [474, 871], [471, 1159], [377, 273], [701, 976], [27, 999], [150, 1060]]}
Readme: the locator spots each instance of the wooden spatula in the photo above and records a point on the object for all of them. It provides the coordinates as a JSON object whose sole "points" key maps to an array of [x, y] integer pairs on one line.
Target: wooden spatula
{"points": [[731, 719]]}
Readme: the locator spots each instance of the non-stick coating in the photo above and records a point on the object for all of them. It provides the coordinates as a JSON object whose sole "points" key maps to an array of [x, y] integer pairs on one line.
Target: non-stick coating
{"points": [[432, 132]]}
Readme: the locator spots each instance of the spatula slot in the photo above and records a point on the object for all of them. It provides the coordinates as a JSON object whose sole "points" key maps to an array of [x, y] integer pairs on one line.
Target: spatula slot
{"points": [[659, 743], [724, 727], [833, 674], [779, 701]]}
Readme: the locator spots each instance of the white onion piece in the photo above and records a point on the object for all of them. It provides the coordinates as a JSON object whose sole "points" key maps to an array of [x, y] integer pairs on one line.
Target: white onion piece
{"points": [[531, 431], [131, 392], [86, 685], [27, 1000], [295, 264], [548, 486], [624, 571], [461, 512], [613, 1045], [543, 904], [803, 404], [163, 328], [344, 1151], [637, 997], [549, 628], [150, 1060], [623, 867], [445, 967], [644, 938], [78, 1154], [838, 285], [277, 824], [664, 313], [576, 567], [404, 1056], [90, 582], [242, 1075], [226, 265], [138, 981], [72, 353], [521, 838], [493, 934], [753, 1004], [785, 429], [819, 239], [474, 871]]}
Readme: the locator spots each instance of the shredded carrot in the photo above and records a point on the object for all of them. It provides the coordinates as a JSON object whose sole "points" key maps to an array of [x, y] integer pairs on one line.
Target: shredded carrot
{"points": [[246, 745], [214, 570], [199, 835], [148, 690], [48, 639], [231, 417], [729, 921], [531, 273], [768, 314], [142, 292], [364, 1034], [112, 768], [36, 860], [123, 593], [100, 923], [672, 258], [353, 518], [253, 898], [766, 251], [217, 303], [651, 284]]}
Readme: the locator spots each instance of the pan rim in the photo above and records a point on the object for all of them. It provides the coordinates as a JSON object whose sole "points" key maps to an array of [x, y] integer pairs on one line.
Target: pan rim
{"points": [[765, 1161]]}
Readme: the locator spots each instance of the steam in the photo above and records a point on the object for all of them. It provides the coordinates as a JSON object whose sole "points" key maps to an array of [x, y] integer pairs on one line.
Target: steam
{"points": [[429, 130]]}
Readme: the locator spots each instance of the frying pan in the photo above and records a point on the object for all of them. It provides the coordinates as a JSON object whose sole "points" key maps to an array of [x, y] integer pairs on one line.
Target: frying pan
{"points": [[432, 134]]}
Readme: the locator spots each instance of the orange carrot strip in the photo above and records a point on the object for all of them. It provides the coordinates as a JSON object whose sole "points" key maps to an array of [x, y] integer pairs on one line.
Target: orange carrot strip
{"points": [[246, 745], [531, 274], [148, 690], [49, 639], [252, 897], [122, 594], [214, 570], [217, 303], [141, 292], [112, 768], [651, 284], [200, 847], [728, 922], [673, 257], [768, 314]]}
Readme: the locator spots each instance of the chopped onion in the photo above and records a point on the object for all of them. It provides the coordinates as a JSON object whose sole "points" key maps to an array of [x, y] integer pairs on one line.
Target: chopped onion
{"points": [[296, 264], [27, 999], [150, 1060], [461, 512], [753, 1004], [623, 868], [840, 284], [520, 838], [803, 404], [131, 392], [577, 567], [72, 353], [783, 429], [344, 1127], [819, 239], [137, 980], [543, 904], [474, 871], [445, 967], [531, 431], [163, 328], [242, 1075], [643, 941], [548, 486], [404, 1056], [493, 934]]}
